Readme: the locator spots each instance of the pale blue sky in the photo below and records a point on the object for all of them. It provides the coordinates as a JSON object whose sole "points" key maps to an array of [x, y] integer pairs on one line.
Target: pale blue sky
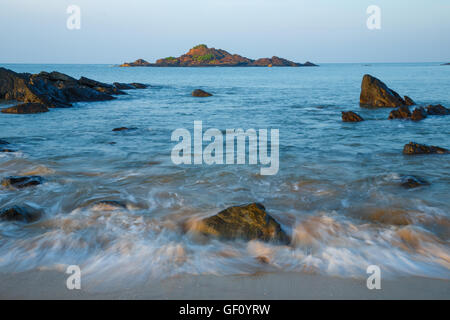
{"points": [[113, 31]]}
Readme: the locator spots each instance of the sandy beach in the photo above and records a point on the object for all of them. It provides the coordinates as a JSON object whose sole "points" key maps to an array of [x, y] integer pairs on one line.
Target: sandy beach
{"points": [[286, 286]]}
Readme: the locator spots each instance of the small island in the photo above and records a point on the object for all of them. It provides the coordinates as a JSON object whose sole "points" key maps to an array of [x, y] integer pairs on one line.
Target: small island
{"points": [[202, 56]]}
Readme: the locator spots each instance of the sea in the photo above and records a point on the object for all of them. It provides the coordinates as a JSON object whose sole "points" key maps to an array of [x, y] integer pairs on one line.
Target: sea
{"points": [[338, 192]]}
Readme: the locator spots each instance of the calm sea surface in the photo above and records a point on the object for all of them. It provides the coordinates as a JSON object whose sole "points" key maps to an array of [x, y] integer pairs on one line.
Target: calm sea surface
{"points": [[337, 191]]}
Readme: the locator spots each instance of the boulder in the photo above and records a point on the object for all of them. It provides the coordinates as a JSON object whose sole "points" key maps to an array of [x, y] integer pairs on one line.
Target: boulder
{"points": [[437, 110], [413, 148], [22, 214], [21, 182], [351, 116], [26, 108], [200, 93], [246, 222], [3, 142], [5, 150], [375, 93], [410, 182], [418, 114], [400, 113]]}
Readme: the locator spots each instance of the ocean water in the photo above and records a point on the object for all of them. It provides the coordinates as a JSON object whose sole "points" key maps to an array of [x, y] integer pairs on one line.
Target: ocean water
{"points": [[337, 191]]}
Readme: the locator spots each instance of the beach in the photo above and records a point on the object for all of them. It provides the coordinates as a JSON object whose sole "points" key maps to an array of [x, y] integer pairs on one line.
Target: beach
{"points": [[290, 286]]}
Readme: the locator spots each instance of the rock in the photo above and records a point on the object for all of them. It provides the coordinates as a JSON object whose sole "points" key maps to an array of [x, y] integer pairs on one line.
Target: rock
{"points": [[22, 182], [123, 129], [376, 94], [351, 116], [418, 114], [3, 142], [93, 83], [410, 182], [53, 90], [109, 90], [247, 222], [137, 63], [202, 56], [400, 113], [413, 148], [23, 214], [7, 150], [123, 86], [445, 64], [409, 101], [26, 108], [201, 93], [310, 64], [138, 85], [109, 205], [437, 110]]}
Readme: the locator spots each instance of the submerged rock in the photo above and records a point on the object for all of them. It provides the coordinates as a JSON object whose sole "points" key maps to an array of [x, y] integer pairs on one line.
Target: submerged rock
{"points": [[109, 205], [26, 108], [23, 214], [410, 182], [437, 110], [21, 182], [138, 85], [375, 93], [123, 129], [400, 113], [350, 116], [418, 114], [247, 222], [416, 148], [3, 142], [201, 93]]}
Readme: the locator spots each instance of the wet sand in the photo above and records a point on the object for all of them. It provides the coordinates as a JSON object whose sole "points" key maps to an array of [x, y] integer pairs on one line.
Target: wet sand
{"points": [[289, 286]]}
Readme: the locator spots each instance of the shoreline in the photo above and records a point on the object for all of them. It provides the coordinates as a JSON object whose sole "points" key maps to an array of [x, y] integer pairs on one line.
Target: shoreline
{"points": [[44, 285]]}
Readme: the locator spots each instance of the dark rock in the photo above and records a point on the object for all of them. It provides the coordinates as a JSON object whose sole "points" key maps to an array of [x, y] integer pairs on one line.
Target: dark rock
{"points": [[400, 113], [416, 148], [247, 222], [123, 86], [93, 83], [409, 101], [351, 116], [445, 64], [109, 90], [53, 90], [138, 85], [376, 94], [418, 114], [137, 63], [123, 129], [22, 182], [7, 150], [26, 108], [309, 64], [410, 182], [437, 110], [3, 142], [200, 93], [23, 214]]}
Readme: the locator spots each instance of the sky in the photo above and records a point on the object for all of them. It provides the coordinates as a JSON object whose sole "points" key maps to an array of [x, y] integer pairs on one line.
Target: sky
{"points": [[321, 31]]}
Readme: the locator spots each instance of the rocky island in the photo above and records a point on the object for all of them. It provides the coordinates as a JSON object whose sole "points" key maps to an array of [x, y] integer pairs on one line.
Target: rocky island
{"points": [[202, 56]]}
